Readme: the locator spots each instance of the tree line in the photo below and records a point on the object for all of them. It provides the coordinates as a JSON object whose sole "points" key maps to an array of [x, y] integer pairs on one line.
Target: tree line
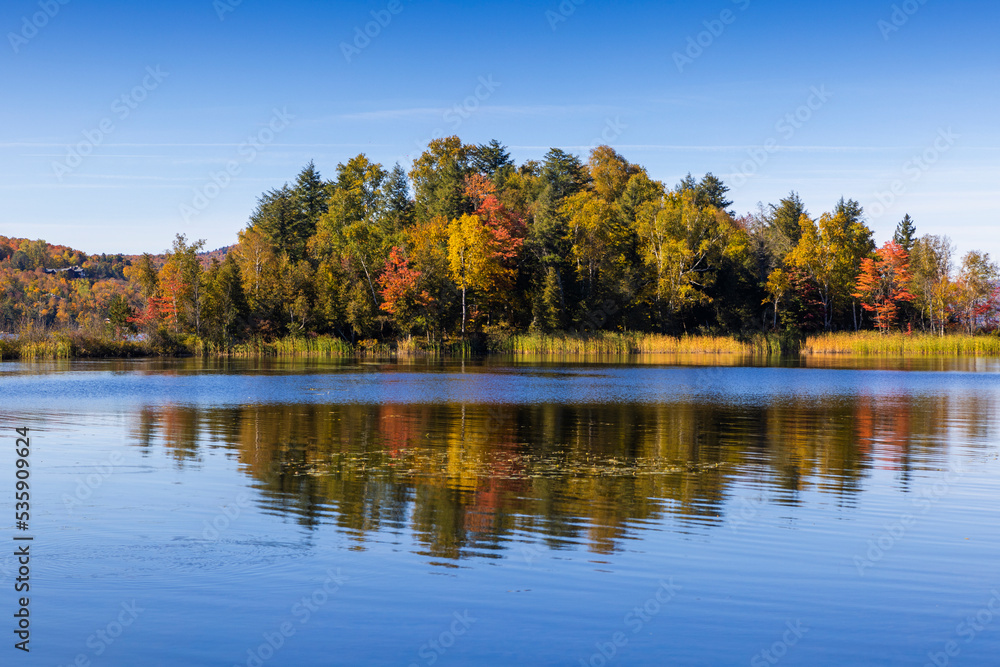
{"points": [[469, 242]]}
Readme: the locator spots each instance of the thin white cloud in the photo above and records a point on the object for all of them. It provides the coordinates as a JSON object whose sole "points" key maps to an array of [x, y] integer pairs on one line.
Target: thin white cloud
{"points": [[24, 144], [729, 149], [550, 110], [184, 184]]}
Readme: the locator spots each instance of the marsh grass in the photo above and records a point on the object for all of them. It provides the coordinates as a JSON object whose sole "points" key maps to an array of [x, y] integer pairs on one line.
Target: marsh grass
{"points": [[71, 345], [870, 343], [626, 344], [90, 344], [291, 346]]}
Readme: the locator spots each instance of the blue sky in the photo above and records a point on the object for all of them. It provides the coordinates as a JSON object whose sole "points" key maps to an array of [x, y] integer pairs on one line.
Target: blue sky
{"points": [[267, 87]]}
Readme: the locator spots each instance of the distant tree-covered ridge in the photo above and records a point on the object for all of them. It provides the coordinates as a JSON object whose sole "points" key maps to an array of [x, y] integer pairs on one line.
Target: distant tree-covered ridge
{"points": [[52, 286], [468, 242]]}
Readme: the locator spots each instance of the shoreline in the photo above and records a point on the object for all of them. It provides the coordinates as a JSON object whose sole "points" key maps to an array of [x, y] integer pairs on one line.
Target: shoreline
{"points": [[77, 345]]}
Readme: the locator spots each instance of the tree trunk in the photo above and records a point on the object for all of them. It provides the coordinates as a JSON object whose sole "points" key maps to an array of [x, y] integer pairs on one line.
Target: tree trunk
{"points": [[369, 277]]}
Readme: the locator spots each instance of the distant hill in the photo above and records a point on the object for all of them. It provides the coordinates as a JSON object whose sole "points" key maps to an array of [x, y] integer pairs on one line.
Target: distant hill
{"points": [[18, 254], [218, 253], [50, 285], [205, 257]]}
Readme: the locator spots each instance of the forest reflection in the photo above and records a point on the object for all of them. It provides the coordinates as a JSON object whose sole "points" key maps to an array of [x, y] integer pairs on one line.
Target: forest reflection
{"points": [[476, 479]]}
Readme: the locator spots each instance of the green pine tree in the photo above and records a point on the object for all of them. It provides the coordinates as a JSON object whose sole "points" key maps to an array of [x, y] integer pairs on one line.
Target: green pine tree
{"points": [[550, 315], [906, 233]]}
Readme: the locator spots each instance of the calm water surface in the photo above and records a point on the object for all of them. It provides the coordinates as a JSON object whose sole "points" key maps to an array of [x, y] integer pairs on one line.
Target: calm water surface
{"points": [[558, 513]]}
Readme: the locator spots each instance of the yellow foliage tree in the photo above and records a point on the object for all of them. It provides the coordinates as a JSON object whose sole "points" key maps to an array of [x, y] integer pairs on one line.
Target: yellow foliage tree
{"points": [[830, 252], [468, 256]]}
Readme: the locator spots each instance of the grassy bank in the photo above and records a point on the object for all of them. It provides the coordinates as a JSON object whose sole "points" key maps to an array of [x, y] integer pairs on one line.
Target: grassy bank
{"points": [[77, 345], [83, 345], [73, 345], [335, 348], [619, 344], [871, 344]]}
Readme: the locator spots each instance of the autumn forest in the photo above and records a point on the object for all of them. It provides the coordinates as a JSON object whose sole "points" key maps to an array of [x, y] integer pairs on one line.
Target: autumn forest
{"points": [[469, 245]]}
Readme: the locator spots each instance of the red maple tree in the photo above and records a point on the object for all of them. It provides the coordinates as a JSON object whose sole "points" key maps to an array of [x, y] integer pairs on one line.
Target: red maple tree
{"points": [[403, 293], [507, 228], [883, 283], [399, 284]]}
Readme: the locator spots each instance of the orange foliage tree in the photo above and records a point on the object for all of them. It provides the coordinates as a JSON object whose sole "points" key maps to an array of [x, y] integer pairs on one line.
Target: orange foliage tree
{"points": [[884, 283], [401, 294]]}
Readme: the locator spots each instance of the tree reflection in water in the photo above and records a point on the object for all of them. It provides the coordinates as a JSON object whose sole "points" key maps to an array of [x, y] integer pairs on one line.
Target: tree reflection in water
{"points": [[478, 479]]}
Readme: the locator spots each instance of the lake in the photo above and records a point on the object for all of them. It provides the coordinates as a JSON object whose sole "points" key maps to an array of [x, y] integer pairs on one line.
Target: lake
{"points": [[560, 512]]}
